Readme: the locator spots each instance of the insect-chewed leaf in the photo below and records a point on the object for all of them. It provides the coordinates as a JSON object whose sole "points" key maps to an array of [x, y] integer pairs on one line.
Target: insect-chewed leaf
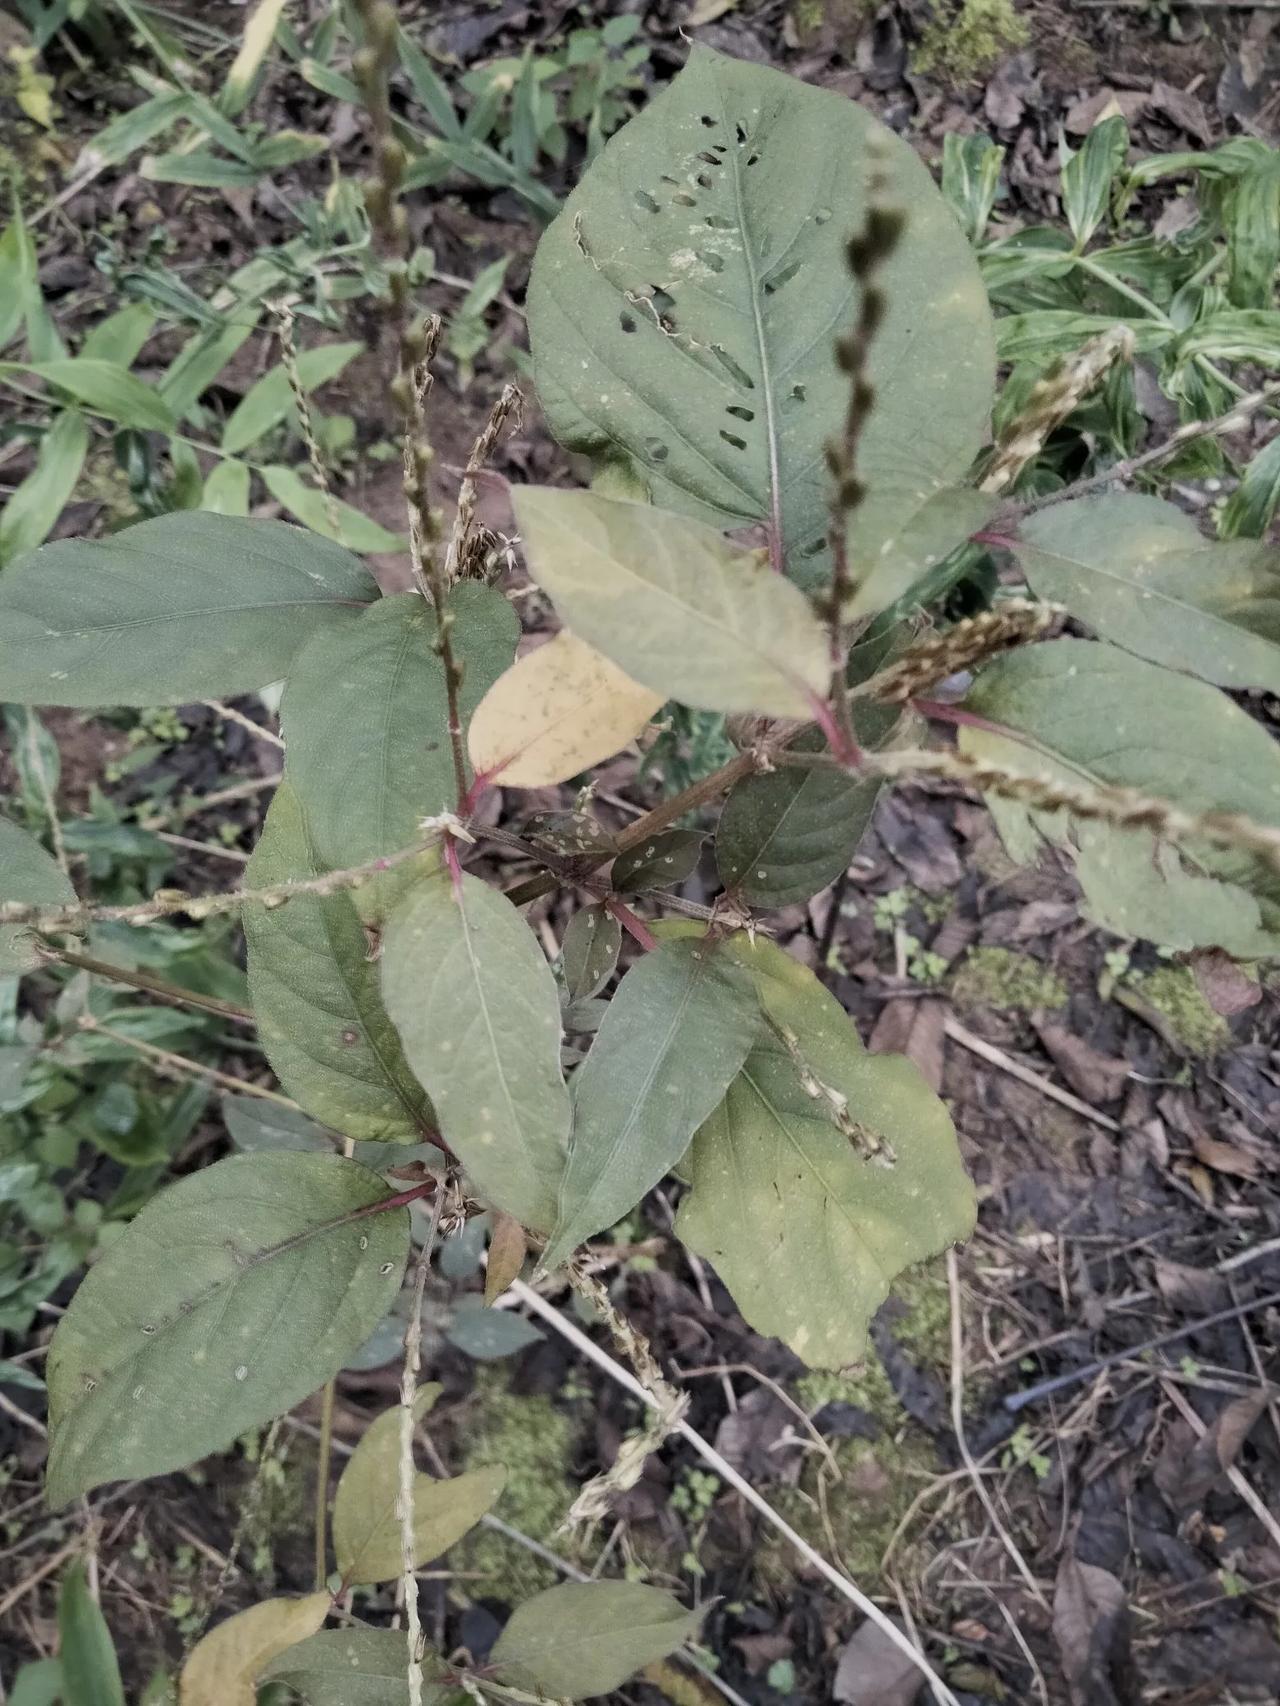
{"points": [[1140, 573], [1079, 712], [476, 1007], [903, 531], [697, 351], [823, 1173], [660, 862], [366, 1528], [785, 835], [558, 711], [353, 1667], [224, 1667], [585, 1638], [315, 995], [589, 952], [90, 1669], [366, 722], [682, 609], [235, 1293], [186, 606], [672, 1041], [27, 874]]}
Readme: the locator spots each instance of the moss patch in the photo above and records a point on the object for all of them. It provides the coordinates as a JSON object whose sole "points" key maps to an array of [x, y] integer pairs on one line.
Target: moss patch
{"points": [[967, 37], [533, 1440], [1012, 982], [1179, 1009]]}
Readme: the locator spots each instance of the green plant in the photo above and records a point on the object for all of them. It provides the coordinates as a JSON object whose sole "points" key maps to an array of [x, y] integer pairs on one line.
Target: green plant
{"points": [[681, 311]]}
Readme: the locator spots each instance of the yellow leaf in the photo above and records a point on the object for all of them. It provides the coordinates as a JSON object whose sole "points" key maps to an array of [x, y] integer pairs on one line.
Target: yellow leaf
{"points": [[259, 33], [34, 93], [223, 1667], [554, 713]]}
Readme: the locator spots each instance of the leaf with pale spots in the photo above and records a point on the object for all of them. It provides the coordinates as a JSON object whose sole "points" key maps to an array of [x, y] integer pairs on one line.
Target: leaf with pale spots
{"points": [[185, 606], [557, 712], [476, 1008], [1140, 573], [354, 1667], [589, 952], [315, 994], [902, 532], [683, 610], [366, 1528], [236, 1293], [586, 1638], [31, 876], [366, 722], [683, 307], [822, 1174], [224, 1667], [659, 862], [672, 1041]]}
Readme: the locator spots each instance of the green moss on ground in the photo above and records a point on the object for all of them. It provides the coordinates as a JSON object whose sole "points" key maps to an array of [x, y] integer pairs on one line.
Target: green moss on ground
{"points": [[534, 1441], [1172, 993], [967, 38], [1005, 979]]}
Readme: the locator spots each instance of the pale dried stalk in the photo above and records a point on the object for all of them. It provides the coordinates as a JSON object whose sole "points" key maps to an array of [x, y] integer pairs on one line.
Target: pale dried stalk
{"points": [[508, 403], [404, 1492], [1051, 400], [283, 312], [231, 715], [727, 1473]]}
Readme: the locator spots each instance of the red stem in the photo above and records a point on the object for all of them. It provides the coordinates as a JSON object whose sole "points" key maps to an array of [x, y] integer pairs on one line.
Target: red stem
{"points": [[938, 712], [634, 927]]}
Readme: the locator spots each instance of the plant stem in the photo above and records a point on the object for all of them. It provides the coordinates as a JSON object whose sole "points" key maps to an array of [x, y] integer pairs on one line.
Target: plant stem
{"points": [[151, 985], [167, 1061], [322, 1482], [1148, 307], [404, 1498]]}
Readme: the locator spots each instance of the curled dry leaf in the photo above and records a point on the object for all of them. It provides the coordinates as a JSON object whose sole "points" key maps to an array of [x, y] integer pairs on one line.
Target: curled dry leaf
{"points": [[558, 711]]}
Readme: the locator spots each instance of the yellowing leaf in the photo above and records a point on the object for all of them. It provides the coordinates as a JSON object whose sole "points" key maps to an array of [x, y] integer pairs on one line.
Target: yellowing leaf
{"points": [[682, 609], [366, 1525], [259, 32], [223, 1667], [558, 711]]}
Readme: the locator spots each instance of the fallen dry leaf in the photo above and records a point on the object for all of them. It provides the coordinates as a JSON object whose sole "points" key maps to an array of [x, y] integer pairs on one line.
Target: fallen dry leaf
{"points": [[1091, 1627], [1095, 1076], [873, 1672]]}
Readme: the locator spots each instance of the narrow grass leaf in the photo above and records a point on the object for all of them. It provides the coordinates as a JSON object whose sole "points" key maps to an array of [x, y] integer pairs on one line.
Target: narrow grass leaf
{"points": [[266, 403]]}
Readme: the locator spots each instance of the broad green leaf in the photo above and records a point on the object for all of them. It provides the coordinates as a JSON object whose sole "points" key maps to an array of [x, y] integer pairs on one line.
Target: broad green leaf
{"points": [[786, 834], [674, 1037], [366, 717], [1251, 508], [589, 952], [224, 1666], [30, 875], [28, 517], [253, 1123], [39, 1683], [90, 1669], [684, 611], [1088, 174], [185, 606], [355, 530], [660, 862], [1139, 572], [120, 337], [353, 1667], [902, 532], [315, 995], [488, 1335], [366, 1527], [226, 489], [103, 386], [1083, 712], [233, 1295], [476, 1008], [265, 404], [555, 713], [823, 1173], [683, 307], [585, 1638], [255, 44]]}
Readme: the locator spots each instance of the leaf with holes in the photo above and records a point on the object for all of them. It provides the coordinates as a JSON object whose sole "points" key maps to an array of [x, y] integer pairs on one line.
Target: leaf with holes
{"points": [[683, 610], [29, 875], [366, 1527], [477, 1011], [673, 1039], [186, 606], [366, 721], [557, 712], [822, 1174], [315, 995], [683, 306], [586, 1638], [1082, 712], [1140, 573], [785, 835], [224, 1667], [233, 1295], [354, 1667]]}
